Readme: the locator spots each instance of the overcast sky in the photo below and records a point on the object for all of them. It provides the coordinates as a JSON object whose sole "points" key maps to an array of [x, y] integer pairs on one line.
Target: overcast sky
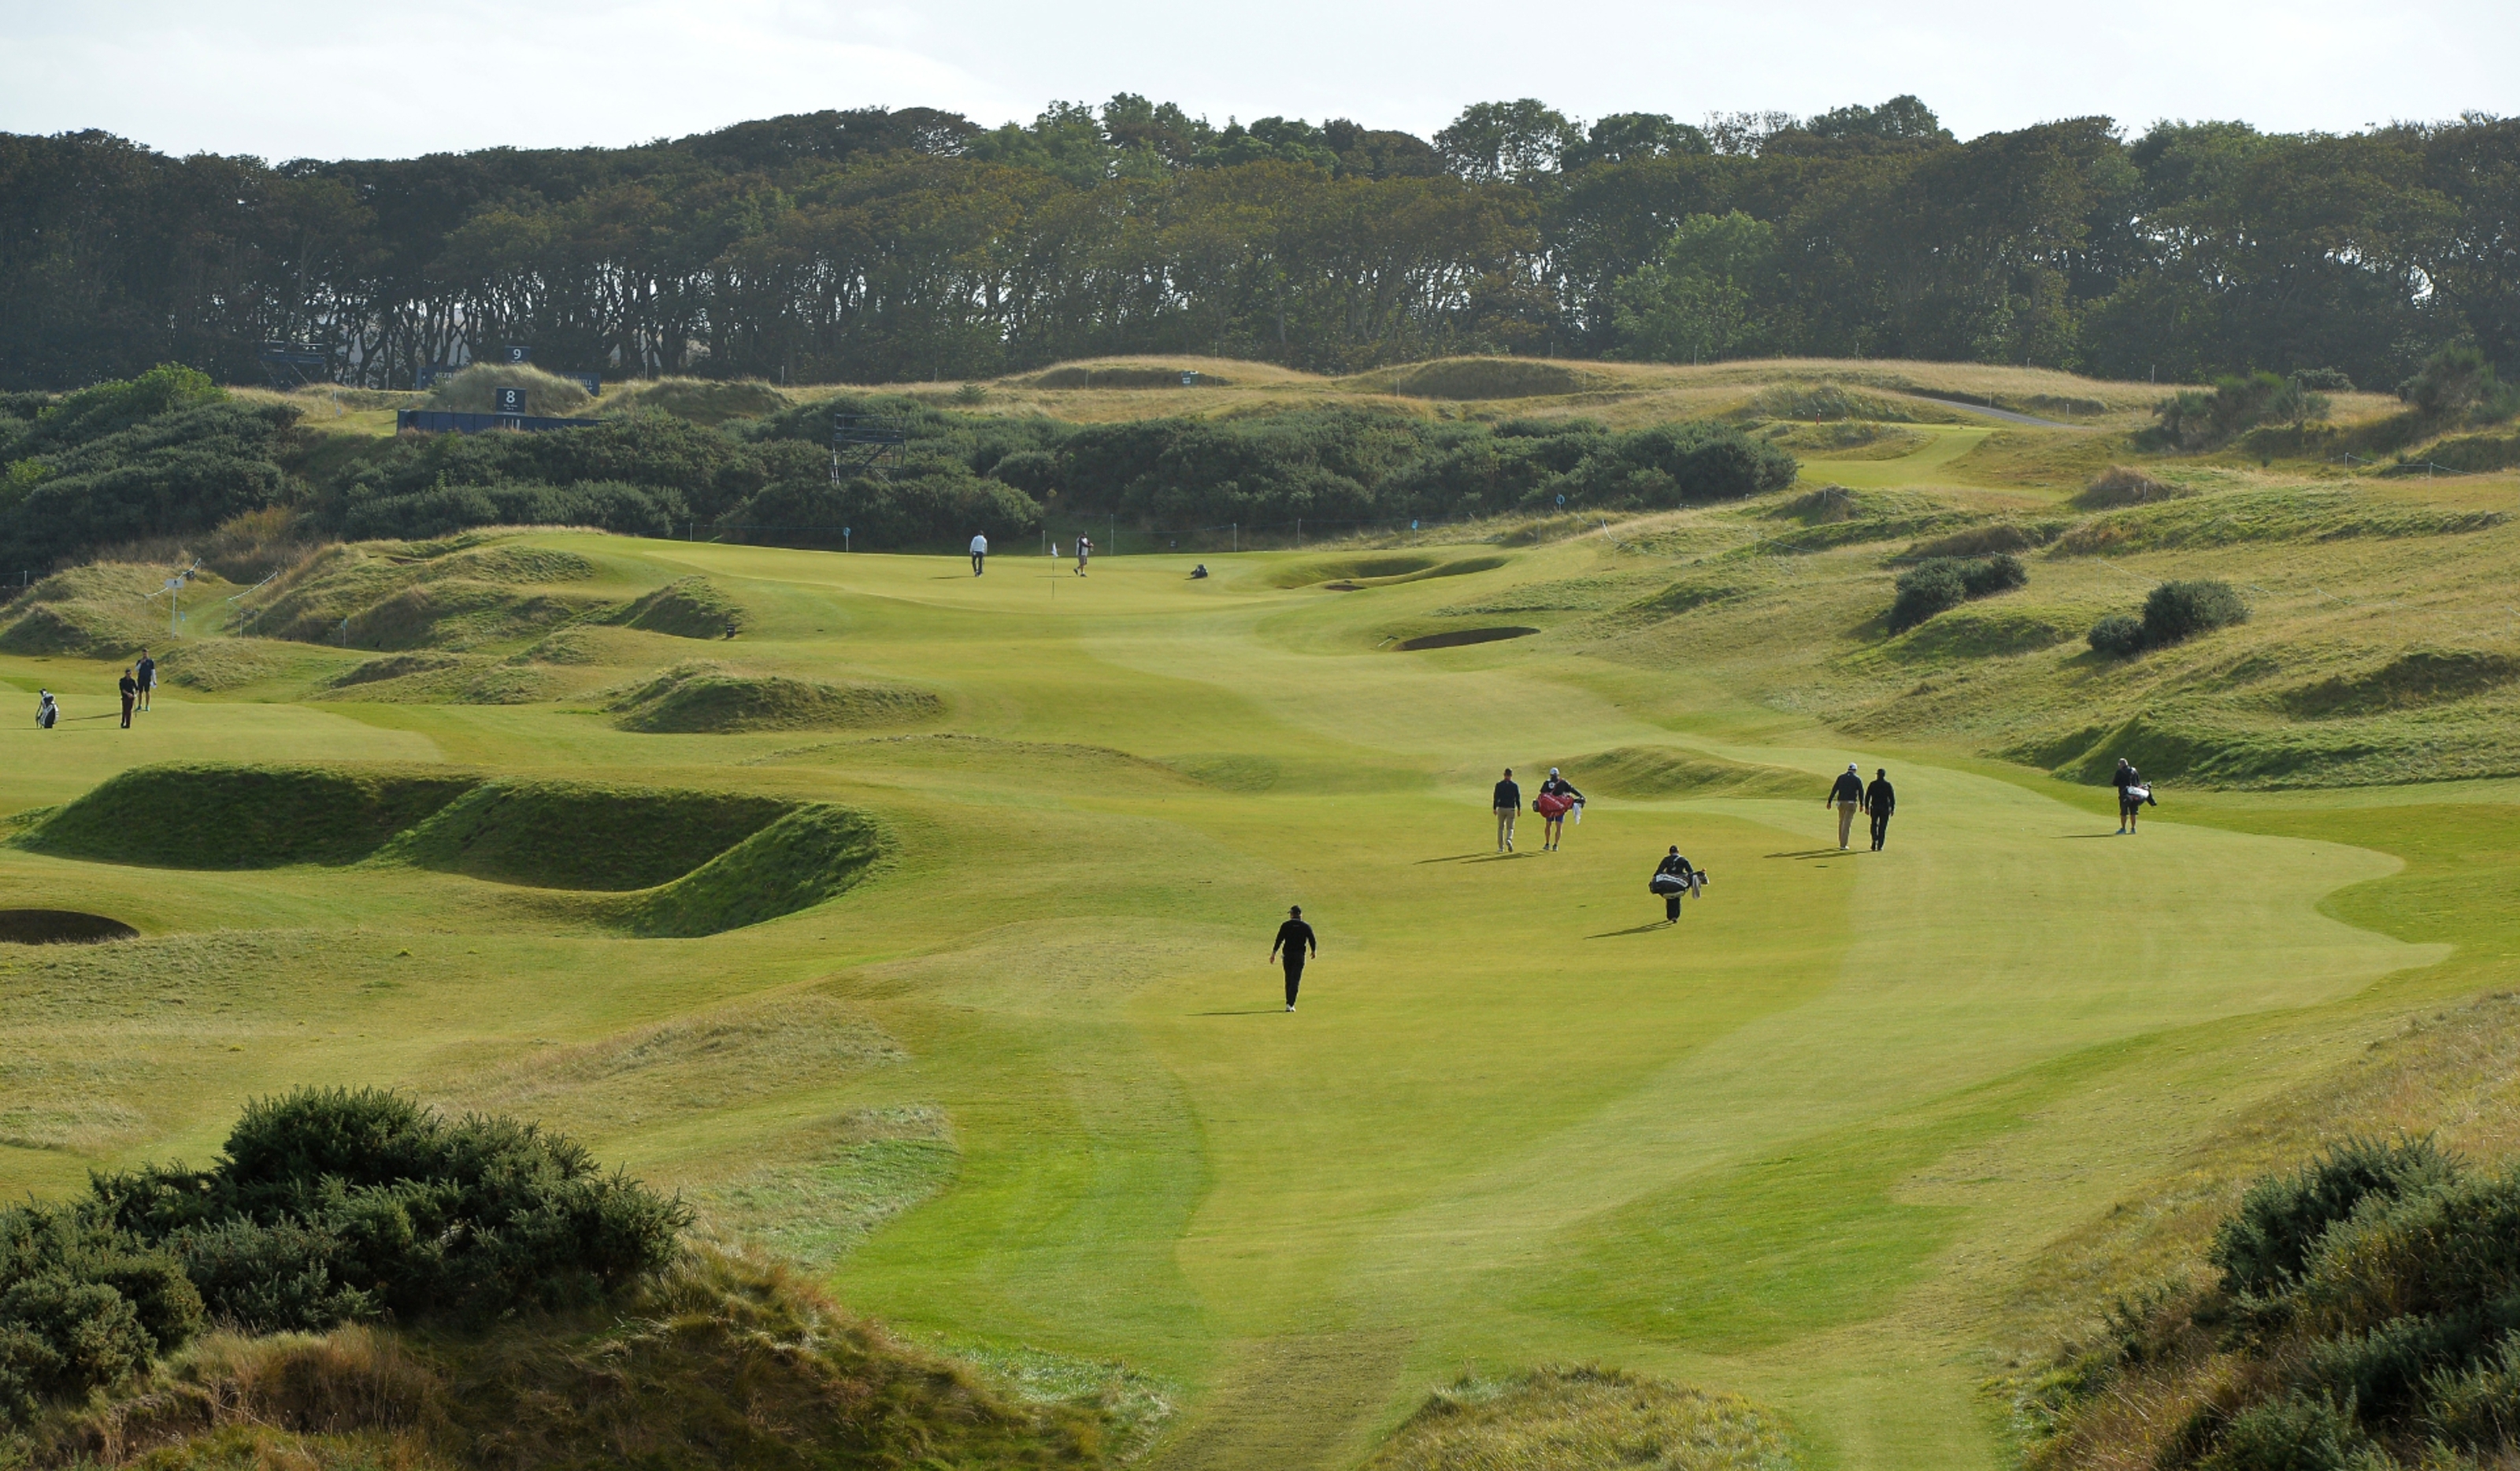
{"points": [[284, 79]]}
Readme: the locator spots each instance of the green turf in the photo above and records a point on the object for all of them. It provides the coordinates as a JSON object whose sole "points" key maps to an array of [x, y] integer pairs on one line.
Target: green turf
{"points": [[1017, 1071]]}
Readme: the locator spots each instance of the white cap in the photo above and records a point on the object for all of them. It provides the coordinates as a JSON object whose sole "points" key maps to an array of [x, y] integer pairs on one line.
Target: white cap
{"points": [[1850, 766], [1552, 771]]}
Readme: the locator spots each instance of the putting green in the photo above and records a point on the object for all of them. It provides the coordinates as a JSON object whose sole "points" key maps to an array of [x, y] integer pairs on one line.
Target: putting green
{"points": [[1792, 1147]]}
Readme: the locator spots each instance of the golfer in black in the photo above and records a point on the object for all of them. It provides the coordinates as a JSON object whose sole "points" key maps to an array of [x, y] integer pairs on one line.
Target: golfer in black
{"points": [[1880, 801], [1679, 867], [1295, 938], [130, 689]]}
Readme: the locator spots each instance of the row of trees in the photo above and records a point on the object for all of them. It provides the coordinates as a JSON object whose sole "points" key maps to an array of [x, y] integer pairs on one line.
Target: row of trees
{"points": [[881, 246]]}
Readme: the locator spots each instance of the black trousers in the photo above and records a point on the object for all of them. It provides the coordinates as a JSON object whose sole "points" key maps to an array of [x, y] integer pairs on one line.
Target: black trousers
{"points": [[1880, 830], [1671, 907], [126, 712], [1294, 978], [975, 562]]}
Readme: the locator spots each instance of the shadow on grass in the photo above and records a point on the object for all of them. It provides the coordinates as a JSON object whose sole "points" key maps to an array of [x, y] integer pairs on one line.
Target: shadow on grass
{"points": [[1613, 934], [1458, 858], [2065, 835], [1247, 1011], [1814, 852]]}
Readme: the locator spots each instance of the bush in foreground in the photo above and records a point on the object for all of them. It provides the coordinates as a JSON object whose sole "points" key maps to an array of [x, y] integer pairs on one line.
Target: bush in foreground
{"points": [[328, 1207], [724, 1359], [2363, 1315]]}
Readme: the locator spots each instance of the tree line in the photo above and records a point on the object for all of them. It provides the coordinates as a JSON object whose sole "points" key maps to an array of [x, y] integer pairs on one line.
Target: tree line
{"points": [[891, 246]]}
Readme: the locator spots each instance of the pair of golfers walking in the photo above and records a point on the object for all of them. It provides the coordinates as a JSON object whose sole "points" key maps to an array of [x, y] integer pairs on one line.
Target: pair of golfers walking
{"points": [[1878, 801]]}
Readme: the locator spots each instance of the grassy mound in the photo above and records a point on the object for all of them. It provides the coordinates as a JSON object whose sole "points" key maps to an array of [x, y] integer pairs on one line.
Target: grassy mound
{"points": [[433, 677], [1490, 378], [1834, 515], [103, 611], [701, 400], [730, 1360], [691, 607], [1981, 633], [795, 863], [2264, 515], [459, 614], [216, 664], [2119, 486], [580, 835], [1824, 403], [211, 815], [1643, 771], [1984, 541], [473, 390], [1586, 1419], [702, 697], [2420, 676], [1119, 376], [461, 593]]}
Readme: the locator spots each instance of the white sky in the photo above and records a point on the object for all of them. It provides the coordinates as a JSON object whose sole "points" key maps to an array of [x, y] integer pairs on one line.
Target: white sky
{"points": [[286, 78]]}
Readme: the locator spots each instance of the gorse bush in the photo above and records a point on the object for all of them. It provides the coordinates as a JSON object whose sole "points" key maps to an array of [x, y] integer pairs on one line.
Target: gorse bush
{"points": [[2261, 1249], [2366, 1316], [82, 1304], [328, 1207], [2197, 420], [1945, 583], [2173, 613], [2179, 611], [335, 1205], [2118, 636]]}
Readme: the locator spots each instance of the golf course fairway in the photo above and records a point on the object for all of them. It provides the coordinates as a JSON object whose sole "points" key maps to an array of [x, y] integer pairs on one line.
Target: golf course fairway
{"points": [[1025, 1090]]}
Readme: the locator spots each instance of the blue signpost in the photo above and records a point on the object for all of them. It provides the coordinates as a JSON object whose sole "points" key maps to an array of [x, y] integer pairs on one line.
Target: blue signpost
{"points": [[519, 352], [510, 402]]}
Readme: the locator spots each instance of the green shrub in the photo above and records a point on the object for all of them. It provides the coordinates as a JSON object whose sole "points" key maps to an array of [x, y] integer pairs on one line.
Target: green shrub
{"points": [[2195, 420], [2294, 1433], [2261, 1249], [332, 1205], [1933, 588], [2117, 635], [2179, 611], [1986, 576], [1946, 583], [2451, 381], [82, 1304]]}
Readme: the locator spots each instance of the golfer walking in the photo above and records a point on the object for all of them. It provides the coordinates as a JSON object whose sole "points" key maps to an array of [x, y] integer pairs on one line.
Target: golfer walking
{"points": [[147, 672], [2131, 795], [980, 553], [1879, 801], [1847, 797], [1558, 797], [1295, 939], [1084, 554], [1673, 868], [1508, 803]]}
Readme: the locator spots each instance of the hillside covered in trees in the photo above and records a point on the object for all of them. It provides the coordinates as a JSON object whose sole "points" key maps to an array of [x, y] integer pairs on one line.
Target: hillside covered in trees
{"points": [[875, 245]]}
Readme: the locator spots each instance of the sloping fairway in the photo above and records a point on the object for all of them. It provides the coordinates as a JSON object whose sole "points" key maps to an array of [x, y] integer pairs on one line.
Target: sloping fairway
{"points": [[1027, 1089]]}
